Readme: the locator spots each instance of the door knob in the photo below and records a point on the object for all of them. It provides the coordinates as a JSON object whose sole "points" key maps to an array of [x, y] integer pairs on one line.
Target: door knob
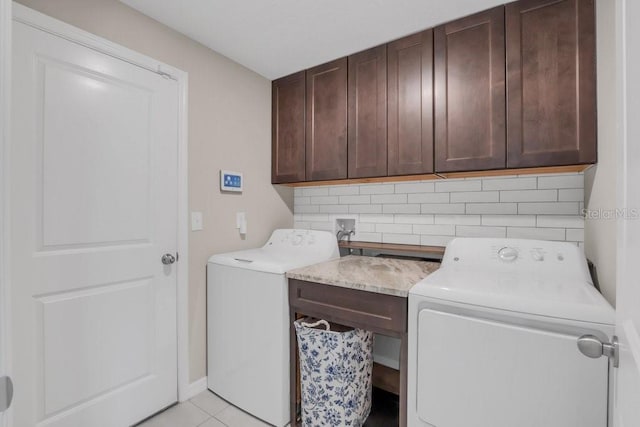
{"points": [[592, 347], [168, 259], [6, 393]]}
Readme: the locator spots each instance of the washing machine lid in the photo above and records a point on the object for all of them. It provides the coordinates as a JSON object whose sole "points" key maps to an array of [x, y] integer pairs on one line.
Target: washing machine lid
{"points": [[557, 285], [285, 250]]}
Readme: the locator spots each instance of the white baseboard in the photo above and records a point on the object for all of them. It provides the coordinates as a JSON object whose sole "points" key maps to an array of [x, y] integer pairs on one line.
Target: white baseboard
{"points": [[195, 388]]}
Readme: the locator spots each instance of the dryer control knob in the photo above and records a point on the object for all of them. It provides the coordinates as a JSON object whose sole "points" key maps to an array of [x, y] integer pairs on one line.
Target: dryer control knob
{"points": [[508, 254], [537, 255]]}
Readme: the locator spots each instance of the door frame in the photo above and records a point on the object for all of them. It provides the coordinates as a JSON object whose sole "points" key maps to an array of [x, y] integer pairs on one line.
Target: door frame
{"points": [[58, 28], [5, 96]]}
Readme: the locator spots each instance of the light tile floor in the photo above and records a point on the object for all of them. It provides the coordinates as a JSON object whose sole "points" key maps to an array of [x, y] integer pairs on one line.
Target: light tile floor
{"points": [[203, 410]]}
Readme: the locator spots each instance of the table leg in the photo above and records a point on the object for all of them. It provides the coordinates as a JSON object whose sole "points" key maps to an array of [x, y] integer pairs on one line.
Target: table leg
{"points": [[293, 374], [404, 365]]}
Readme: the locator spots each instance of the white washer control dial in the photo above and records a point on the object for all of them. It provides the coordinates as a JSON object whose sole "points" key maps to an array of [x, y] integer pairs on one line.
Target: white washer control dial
{"points": [[537, 255], [508, 254]]}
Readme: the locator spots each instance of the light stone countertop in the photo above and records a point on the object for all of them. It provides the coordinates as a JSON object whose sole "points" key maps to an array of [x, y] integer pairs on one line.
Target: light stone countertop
{"points": [[373, 274]]}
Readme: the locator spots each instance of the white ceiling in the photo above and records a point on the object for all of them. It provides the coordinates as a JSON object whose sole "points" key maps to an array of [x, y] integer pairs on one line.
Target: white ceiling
{"points": [[278, 37]]}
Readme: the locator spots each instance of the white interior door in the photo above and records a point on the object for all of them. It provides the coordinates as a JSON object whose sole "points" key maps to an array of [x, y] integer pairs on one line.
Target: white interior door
{"points": [[627, 393], [94, 208], [5, 55]]}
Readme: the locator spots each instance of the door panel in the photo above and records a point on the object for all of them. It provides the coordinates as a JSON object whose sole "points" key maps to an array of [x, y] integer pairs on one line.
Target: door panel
{"points": [[627, 393], [470, 93], [368, 113], [481, 373], [117, 142], [81, 336], [410, 104], [326, 131], [94, 207], [288, 127], [552, 84]]}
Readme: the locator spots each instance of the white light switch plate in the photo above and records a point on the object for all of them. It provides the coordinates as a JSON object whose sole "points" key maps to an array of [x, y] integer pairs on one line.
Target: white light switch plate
{"points": [[196, 221]]}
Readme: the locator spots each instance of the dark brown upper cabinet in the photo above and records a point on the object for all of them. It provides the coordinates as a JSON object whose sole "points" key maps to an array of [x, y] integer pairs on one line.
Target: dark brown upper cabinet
{"points": [[551, 83], [326, 130], [368, 113], [287, 127], [410, 104], [469, 63]]}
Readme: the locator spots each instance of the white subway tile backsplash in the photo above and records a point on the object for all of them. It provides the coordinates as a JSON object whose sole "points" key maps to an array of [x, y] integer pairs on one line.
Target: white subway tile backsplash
{"points": [[401, 209], [366, 227], [306, 208], [536, 233], [428, 198], [368, 237], [480, 231], [435, 229], [302, 225], [560, 221], [435, 240], [355, 200], [413, 219], [529, 196], [299, 201], [323, 226], [571, 195], [389, 198], [415, 187], [492, 208], [561, 181], [403, 239], [514, 183], [475, 197], [457, 219], [558, 208], [324, 200], [394, 228], [314, 217], [364, 209], [377, 189], [433, 212], [509, 220], [459, 185], [344, 190], [334, 208], [315, 191], [442, 208], [377, 219]]}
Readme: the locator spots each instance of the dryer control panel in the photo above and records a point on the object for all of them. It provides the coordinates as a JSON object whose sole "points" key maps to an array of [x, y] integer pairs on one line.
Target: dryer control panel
{"points": [[525, 256]]}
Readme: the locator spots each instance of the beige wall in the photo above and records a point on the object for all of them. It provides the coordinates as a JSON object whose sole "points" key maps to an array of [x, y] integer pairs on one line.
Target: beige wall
{"points": [[600, 180], [229, 128]]}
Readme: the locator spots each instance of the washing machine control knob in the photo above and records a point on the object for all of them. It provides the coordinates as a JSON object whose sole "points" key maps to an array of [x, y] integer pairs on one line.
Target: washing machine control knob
{"points": [[537, 255], [508, 254]]}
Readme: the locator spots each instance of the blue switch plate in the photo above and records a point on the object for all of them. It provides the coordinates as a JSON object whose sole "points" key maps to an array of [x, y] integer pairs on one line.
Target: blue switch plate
{"points": [[231, 181]]}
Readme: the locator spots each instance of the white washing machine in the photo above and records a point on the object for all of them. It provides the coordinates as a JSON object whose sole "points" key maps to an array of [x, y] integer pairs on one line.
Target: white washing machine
{"points": [[248, 320], [493, 338]]}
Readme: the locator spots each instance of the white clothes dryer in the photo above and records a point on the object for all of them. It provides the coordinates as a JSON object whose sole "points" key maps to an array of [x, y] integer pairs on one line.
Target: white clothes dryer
{"points": [[493, 338], [248, 320]]}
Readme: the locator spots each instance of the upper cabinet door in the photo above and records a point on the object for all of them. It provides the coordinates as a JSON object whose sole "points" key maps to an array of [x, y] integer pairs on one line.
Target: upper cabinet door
{"points": [[470, 93], [368, 113], [551, 82], [327, 121], [287, 127], [410, 104]]}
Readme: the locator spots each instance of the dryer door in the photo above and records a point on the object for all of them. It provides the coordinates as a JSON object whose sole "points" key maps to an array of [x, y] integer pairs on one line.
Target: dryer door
{"points": [[481, 373]]}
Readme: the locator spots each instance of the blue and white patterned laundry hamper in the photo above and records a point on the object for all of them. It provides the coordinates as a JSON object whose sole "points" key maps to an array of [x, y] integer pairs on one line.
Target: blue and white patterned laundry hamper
{"points": [[335, 374]]}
